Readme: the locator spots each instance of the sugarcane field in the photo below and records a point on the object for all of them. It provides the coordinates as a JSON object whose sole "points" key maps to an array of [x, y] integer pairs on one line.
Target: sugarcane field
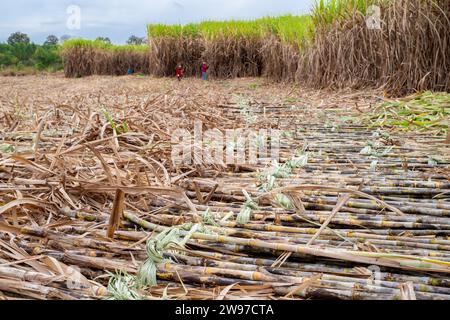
{"points": [[298, 156]]}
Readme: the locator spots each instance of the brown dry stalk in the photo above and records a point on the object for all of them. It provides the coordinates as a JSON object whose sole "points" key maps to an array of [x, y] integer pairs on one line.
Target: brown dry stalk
{"points": [[341, 202], [293, 188], [116, 213], [81, 62], [407, 291]]}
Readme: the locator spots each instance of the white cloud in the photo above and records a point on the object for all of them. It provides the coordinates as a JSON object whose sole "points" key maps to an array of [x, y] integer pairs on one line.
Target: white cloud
{"points": [[119, 19]]}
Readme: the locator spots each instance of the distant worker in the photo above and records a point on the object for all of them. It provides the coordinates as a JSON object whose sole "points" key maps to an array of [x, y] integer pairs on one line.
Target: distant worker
{"points": [[179, 72], [204, 71], [130, 71]]}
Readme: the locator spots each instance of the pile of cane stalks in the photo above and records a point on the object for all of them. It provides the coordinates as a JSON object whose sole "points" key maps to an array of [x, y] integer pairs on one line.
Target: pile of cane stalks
{"points": [[92, 205], [425, 112]]}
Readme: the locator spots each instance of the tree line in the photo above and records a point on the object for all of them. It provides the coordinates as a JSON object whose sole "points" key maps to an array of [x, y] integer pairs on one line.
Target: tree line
{"points": [[20, 53]]}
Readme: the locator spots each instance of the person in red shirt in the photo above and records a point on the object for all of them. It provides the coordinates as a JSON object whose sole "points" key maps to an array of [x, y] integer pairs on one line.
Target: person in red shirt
{"points": [[204, 71], [179, 71]]}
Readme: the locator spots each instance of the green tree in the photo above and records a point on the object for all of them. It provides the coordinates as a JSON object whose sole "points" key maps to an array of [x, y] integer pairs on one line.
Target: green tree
{"points": [[52, 40], [24, 52], [7, 59], [104, 39], [133, 40], [18, 38], [46, 57]]}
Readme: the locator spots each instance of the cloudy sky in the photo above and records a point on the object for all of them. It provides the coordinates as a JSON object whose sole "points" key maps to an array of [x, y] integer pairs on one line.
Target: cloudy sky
{"points": [[119, 19]]}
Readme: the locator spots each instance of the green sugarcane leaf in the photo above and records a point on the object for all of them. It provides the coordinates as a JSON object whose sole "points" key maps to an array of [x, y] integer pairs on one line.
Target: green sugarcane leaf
{"points": [[7, 148]]}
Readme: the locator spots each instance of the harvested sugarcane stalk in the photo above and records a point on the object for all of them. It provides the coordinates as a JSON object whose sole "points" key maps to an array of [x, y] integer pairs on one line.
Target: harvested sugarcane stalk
{"points": [[105, 151]]}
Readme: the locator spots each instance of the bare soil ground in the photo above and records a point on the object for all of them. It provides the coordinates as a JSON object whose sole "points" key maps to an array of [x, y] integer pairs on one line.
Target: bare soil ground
{"points": [[87, 182]]}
